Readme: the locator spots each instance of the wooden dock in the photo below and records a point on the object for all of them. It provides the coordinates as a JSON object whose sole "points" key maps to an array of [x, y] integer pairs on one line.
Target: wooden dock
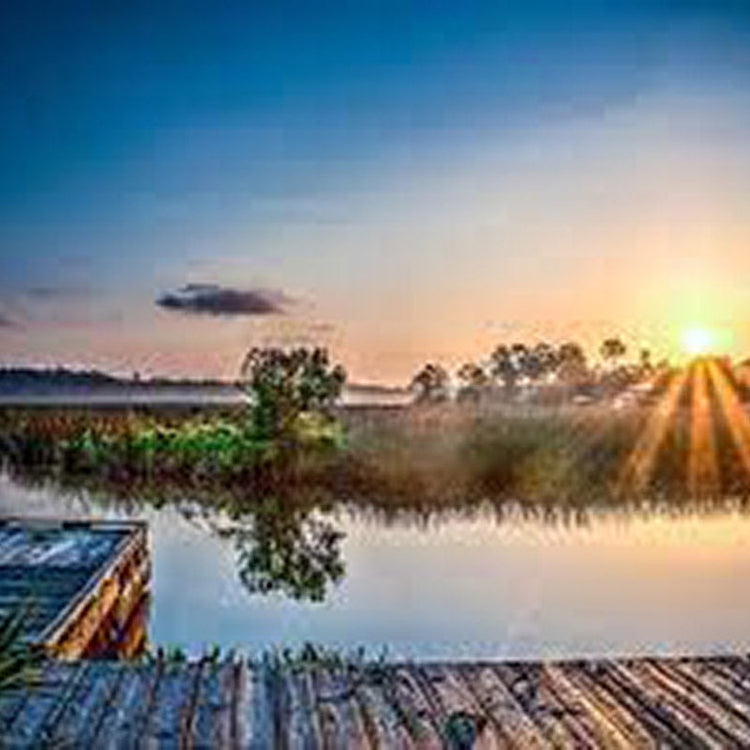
{"points": [[640, 703], [85, 583]]}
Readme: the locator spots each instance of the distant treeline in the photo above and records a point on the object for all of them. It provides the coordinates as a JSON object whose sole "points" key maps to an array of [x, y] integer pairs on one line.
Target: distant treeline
{"points": [[31, 380], [15, 380]]}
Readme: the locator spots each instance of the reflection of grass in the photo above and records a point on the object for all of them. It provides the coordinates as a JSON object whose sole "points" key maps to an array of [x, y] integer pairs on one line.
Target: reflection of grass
{"points": [[443, 456]]}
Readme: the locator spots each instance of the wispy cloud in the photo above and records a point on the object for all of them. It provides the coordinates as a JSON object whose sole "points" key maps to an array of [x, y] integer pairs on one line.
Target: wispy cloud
{"points": [[212, 299]]}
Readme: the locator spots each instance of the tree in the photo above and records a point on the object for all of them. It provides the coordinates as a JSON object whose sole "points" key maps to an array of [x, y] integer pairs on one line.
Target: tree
{"points": [[430, 384], [474, 382], [571, 360], [543, 360], [612, 349], [646, 367], [284, 385], [503, 366]]}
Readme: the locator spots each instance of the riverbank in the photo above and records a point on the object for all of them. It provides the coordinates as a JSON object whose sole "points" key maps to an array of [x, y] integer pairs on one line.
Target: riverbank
{"points": [[404, 457]]}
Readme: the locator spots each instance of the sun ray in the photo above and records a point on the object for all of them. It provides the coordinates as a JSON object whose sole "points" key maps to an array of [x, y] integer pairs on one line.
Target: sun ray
{"points": [[703, 473], [734, 412], [637, 468]]}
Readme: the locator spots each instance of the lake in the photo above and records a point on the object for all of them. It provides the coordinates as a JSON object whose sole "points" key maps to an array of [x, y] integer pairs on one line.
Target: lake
{"points": [[438, 585]]}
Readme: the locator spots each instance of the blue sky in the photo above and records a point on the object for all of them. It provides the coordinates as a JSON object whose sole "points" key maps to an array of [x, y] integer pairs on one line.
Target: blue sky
{"points": [[418, 179]]}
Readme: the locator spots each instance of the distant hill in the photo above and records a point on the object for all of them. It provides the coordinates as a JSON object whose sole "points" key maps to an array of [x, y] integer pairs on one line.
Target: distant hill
{"points": [[60, 381], [28, 380]]}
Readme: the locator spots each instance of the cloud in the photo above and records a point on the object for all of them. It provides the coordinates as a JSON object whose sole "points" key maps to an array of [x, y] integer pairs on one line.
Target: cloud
{"points": [[212, 299], [6, 322]]}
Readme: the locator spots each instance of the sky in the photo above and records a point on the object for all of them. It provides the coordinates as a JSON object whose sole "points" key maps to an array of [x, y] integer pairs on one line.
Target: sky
{"points": [[400, 182]]}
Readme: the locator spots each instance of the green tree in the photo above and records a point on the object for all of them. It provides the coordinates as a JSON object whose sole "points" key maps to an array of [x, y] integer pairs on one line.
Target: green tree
{"points": [[283, 386]]}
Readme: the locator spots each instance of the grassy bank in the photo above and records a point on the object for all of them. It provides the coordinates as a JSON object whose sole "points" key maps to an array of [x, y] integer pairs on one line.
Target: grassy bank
{"points": [[171, 447], [437, 455]]}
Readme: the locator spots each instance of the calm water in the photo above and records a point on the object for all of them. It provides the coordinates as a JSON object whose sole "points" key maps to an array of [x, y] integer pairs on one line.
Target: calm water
{"points": [[446, 587]]}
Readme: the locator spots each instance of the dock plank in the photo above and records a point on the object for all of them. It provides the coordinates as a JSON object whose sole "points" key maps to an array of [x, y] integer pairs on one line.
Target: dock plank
{"points": [[525, 682], [511, 723], [76, 724], [253, 705], [601, 731], [339, 713], [702, 700], [171, 702], [606, 708], [412, 705], [672, 711], [124, 725]]}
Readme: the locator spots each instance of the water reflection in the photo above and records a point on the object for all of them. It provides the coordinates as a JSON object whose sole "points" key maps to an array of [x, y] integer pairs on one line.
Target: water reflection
{"points": [[475, 580], [283, 544], [291, 545], [288, 550]]}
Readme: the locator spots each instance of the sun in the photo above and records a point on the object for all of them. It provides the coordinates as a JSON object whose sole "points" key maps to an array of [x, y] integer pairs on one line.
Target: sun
{"points": [[698, 340]]}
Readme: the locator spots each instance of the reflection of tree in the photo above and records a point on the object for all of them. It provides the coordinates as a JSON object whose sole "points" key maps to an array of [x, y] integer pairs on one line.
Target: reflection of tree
{"points": [[288, 550], [284, 544]]}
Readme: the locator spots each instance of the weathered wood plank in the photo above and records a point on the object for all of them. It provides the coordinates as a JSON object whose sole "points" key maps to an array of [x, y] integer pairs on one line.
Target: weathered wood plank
{"points": [[382, 723], [300, 718], [187, 716], [413, 707], [339, 714], [655, 722], [76, 725], [221, 704], [733, 670], [703, 698], [170, 703], [569, 711], [643, 703], [719, 685], [524, 680], [459, 711], [206, 703], [605, 707], [511, 723], [12, 700], [677, 714], [601, 731], [254, 728], [60, 684], [123, 726]]}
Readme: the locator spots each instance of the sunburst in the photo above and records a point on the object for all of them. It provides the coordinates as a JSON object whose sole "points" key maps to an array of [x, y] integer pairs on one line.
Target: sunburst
{"points": [[712, 395], [637, 469]]}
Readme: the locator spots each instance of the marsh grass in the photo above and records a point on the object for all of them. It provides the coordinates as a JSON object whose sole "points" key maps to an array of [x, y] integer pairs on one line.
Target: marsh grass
{"points": [[437, 456], [130, 447]]}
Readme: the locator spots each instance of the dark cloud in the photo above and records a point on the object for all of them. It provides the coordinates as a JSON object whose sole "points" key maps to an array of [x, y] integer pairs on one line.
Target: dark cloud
{"points": [[212, 299], [6, 322]]}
